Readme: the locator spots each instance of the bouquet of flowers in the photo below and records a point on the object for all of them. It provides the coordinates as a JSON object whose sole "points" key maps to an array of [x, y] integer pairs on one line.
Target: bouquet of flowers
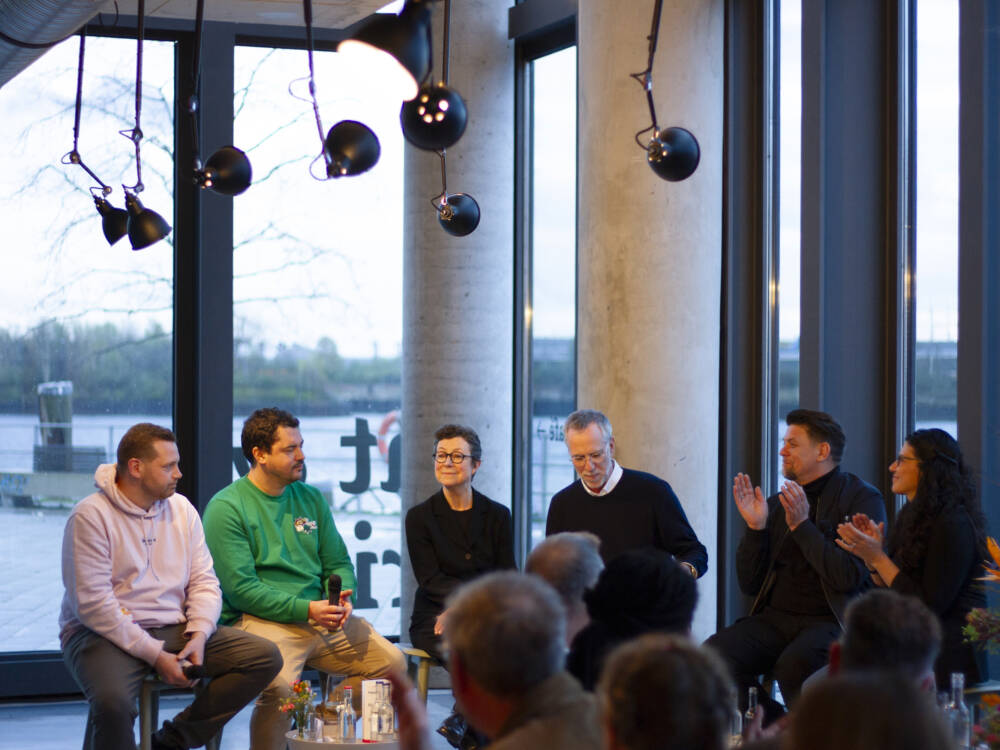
{"points": [[983, 626], [299, 704]]}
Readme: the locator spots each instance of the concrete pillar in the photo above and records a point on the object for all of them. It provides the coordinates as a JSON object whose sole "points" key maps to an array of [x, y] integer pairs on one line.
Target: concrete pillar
{"points": [[648, 321], [458, 291]]}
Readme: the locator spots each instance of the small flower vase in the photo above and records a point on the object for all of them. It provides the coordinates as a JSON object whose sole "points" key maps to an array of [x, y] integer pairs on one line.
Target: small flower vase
{"points": [[301, 722]]}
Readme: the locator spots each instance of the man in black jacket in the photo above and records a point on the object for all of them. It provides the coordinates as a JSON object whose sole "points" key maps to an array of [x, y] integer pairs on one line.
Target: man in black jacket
{"points": [[787, 560], [626, 509]]}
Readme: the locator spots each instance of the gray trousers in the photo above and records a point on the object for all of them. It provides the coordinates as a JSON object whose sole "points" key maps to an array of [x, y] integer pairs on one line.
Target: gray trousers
{"points": [[238, 664]]}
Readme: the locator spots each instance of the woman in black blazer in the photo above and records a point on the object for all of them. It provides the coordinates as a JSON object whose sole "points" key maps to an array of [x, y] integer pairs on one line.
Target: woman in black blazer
{"points": [[937, 545], [454, 536]]}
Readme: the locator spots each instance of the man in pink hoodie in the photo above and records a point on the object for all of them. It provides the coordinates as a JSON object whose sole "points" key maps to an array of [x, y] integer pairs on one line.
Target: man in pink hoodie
{"points": [[141, 596]]}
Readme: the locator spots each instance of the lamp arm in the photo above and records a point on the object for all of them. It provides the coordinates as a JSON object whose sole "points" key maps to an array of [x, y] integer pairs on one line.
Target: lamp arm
{"points": [[441, 199], [645, 78], [446, 53], [135, 134], [193, 101], [73, 157], [307, 14]]}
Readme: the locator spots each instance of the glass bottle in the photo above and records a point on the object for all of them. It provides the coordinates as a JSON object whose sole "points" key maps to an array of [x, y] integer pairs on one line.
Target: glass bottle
{"points": [[386, 714], [736, 728], [958, 713], [752, 709], [348, 719]]}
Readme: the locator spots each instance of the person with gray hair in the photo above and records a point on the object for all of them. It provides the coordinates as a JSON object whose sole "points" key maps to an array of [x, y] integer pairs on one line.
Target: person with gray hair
{"points": [[570, 562], [662, 692], [504, 639], [626, 509]]}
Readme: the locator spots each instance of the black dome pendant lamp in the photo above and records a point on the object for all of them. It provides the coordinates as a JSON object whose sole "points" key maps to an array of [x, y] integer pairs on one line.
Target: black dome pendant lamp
{"points": [[673, 154], [145, 226], [350, 147], [436, 117], [228, 170], [114, 221]]}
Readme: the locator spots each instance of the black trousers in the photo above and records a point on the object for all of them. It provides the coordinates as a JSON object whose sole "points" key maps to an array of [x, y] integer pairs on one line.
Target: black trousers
{"points": [[789, 647]]}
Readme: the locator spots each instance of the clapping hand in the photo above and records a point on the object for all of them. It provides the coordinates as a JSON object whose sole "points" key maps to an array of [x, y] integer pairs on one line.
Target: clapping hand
{"points": [[862, 538], [750, 502], [796, 504]]}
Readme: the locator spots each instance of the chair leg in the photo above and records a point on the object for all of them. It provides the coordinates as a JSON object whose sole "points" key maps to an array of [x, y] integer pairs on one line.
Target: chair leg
{"points": [[149, 710], [423, 678]]}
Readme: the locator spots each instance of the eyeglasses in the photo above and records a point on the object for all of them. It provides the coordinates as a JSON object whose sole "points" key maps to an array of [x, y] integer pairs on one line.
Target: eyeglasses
{"points": [[900, 458], [579, 459], [456, 457]]}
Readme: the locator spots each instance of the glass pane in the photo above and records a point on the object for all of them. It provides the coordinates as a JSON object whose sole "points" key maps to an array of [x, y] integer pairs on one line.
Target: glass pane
{"points": [[936, 352], [86, 329], [318, 300], [553, 306], [789, 209]]}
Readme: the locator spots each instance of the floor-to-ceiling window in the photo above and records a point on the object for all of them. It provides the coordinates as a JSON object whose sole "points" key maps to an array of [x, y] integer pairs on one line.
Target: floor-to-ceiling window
{"points": [[789, 210], [552, 312], [317, 299], [936, 284], [86, 331]]}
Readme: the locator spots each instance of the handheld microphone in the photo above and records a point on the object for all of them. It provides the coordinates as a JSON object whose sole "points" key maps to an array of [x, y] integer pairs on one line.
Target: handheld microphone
{"points": [[192, 671], [333, 587]]}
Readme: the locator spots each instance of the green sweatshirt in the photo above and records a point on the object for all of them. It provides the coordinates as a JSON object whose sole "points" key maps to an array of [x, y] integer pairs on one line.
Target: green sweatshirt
{"points": [[273, 555]]}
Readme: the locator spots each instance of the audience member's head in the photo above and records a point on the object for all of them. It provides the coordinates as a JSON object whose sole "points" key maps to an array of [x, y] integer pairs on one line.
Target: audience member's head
{"points": [[643, 590], [504, 635], [640, 591], [887, 631], [867, 711], [569, 562], [661, 692]]}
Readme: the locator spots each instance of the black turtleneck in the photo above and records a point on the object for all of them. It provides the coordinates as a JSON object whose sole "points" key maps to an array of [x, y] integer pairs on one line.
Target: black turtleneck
{"points": [[797, 588]]}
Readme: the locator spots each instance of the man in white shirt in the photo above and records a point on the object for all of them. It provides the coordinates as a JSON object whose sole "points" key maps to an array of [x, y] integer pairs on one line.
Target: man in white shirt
{"points": [[626, 509]]}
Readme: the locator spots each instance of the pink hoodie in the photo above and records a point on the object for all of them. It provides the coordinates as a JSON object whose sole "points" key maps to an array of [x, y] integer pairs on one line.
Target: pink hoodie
{"points": [[126, 569]]}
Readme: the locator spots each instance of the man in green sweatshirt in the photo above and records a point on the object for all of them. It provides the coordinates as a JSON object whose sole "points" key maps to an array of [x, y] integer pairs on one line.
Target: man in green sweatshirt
{"points": [[275, 545]]}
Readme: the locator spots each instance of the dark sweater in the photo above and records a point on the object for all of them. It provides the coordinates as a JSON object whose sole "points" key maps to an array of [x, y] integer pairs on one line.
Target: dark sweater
{"points": [[841, 574], [641, 511], [450, 547]]}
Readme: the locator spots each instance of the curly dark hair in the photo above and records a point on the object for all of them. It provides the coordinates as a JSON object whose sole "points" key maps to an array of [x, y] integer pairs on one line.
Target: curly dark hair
{"points": [[260, 430], [945, 483]]}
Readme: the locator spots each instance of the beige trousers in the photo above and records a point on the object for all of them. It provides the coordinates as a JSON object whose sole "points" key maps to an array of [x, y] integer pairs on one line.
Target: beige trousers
{"points": [[355, 650]]}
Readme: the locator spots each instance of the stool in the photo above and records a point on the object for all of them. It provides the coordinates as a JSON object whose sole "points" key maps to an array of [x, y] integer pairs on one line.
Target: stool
{"points": [[149, 712], [423, 669]]}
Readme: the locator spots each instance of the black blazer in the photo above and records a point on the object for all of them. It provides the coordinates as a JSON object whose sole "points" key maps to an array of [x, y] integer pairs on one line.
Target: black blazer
{"points": [[443, 556]]}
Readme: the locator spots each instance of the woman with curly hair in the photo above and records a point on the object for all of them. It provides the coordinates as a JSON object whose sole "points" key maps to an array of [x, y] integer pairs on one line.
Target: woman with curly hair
{"points": [[937, 545]]}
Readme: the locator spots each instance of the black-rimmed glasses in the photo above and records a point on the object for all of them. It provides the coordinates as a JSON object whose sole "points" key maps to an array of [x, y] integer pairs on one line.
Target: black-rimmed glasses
{"points": [[456, 457]]}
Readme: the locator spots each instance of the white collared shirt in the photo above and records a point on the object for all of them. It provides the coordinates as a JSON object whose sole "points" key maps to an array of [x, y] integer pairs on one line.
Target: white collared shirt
{"points": [[616, 474]]}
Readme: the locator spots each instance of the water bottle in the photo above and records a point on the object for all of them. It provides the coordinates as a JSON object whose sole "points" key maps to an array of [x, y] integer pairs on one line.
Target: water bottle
{"points": [[958, 713], [348, 718], [383, 719], [735, 728], [751, 706]]}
